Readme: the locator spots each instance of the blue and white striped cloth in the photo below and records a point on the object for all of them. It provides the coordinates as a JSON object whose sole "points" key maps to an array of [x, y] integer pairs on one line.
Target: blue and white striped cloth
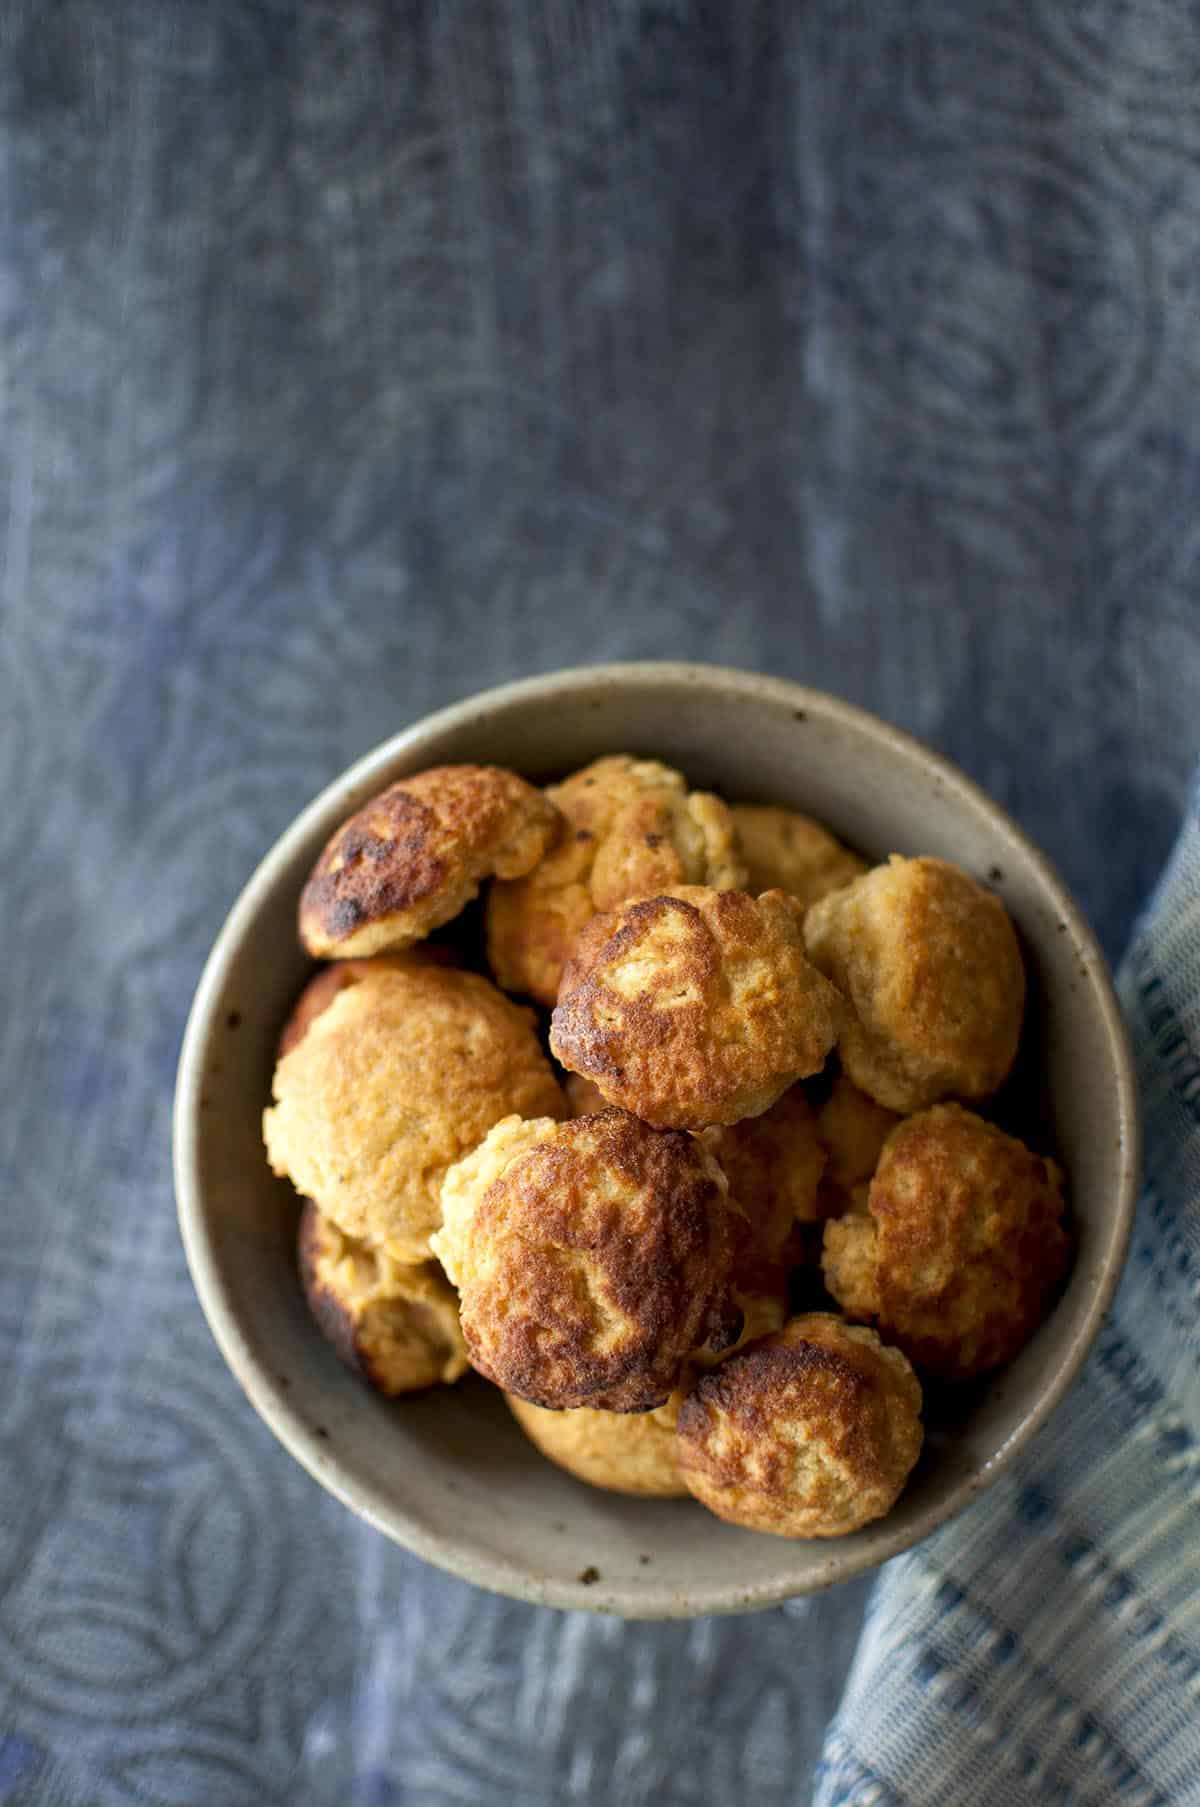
{"points": [[1046, 1646]]}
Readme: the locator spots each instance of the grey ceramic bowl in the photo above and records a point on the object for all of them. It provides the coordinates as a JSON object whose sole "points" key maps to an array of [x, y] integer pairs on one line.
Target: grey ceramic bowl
{"points": [[448, 1474]]}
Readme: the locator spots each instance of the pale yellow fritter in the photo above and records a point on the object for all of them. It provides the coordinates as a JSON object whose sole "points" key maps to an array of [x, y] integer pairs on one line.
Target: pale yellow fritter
{"points": [[623, 1452], [403, 1073]]}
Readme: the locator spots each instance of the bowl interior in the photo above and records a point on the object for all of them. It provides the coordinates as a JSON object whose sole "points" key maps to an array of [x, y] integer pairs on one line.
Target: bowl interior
{"points": [[449, 1474]]}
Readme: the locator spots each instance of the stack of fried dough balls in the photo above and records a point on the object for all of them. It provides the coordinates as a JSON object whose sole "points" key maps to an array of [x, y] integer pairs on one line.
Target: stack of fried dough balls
{"points": [[707, 1244]]}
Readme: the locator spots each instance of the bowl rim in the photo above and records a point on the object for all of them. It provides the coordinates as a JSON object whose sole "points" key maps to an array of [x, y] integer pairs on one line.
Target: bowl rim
{"points": [[275, 1407]]}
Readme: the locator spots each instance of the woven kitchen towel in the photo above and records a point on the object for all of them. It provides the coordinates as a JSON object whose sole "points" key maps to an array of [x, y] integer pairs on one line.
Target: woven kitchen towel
{"points": [[1047, 1646]]}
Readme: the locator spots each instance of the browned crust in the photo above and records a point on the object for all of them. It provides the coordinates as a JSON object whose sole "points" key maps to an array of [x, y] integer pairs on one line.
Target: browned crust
{"points": [[436, 831], [971, 1243], [588, 1036], [380, 861], [840, 1391], [962, 1248], [683, 1052], [663, 1262], [760, 1387]]}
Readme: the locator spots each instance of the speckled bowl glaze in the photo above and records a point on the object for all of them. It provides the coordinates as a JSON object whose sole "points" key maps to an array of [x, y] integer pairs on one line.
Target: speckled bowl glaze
{"points": [[449, 1475]]}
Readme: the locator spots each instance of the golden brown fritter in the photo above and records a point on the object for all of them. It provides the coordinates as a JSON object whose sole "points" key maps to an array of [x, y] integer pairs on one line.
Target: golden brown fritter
{"points": [[773, 1164], [930, 963], [962, 1247], [785, 851], [852, 1129], [414, 856], [591, 1258], [694, 1009], [401, 1074], [811, 1432], [623, 1452], [395, 1325], [633, 830]]}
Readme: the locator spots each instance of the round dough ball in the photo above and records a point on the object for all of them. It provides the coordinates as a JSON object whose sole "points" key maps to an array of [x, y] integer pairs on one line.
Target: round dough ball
{"points": [[591, 1258], [401, 1074], [694, 1009], [395, 1325], [930, 963], [773, 1164], [785, 851], [811, 1432], [413, 857], [961, 1248], [852, 1130], [633, 830], [623, 1452]]}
